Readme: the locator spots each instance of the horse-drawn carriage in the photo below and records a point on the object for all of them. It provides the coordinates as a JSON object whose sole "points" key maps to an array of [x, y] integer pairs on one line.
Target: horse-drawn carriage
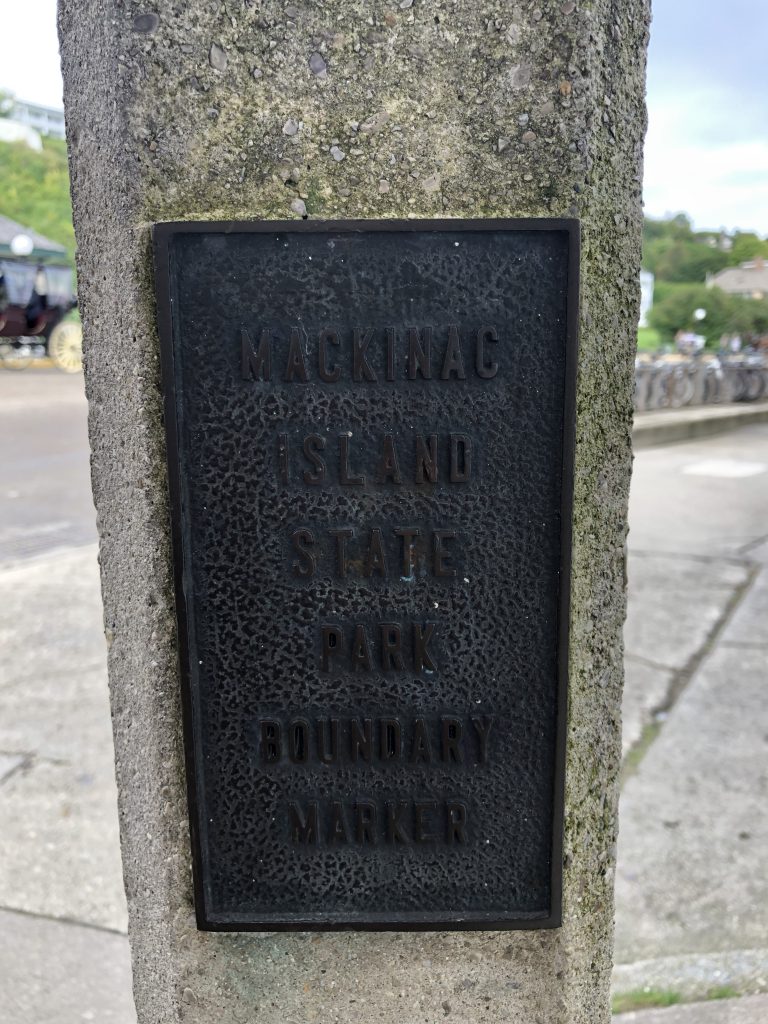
{"points": [[36, 294]]}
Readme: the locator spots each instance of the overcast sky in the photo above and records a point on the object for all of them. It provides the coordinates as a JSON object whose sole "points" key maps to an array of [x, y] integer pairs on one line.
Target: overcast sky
{"points": [[707, 146]]}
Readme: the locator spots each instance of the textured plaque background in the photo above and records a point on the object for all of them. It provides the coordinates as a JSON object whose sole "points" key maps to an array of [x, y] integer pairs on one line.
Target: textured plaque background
{"points": [[250, 630]]}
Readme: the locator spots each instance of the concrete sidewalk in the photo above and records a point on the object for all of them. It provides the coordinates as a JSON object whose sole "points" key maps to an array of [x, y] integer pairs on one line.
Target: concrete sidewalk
{"points": [[692, 873]]}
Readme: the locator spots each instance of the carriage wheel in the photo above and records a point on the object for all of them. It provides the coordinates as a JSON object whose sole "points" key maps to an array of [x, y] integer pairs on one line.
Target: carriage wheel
{"points": [[65, 347]]}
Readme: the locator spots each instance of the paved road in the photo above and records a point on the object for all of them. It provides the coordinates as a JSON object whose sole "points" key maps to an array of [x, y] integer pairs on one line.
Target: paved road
{"points": [[45, 498], [693, 868]]}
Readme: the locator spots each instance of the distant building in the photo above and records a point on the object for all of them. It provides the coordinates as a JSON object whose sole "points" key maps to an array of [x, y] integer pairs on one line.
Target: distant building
{"points": [[12, 131], [43, 248], [722, 241], [646, 296], [46, 120], [749, 281]]}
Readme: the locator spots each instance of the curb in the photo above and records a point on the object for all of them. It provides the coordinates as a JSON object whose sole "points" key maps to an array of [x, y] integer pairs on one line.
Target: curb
{"points": [[693, 975], [653, 428], [745, 1010]]}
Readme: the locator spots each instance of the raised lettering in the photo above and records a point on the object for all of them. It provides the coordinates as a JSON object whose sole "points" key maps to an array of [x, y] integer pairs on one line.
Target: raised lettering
{"points": [[457, 820], [270, 741], [302, 539], [482, 726], [361, 651], [485, 370], [376, 561], [361, 740], [342, 535], [330, 376], [419, 355], [332, 640], [395, 831], [422, 808], [256, 365], [313, 444], [298, 741], [453, 364], [451, 740], [461, 458], [303, 827], [390, 739], [339, 832], [388, 468], [328, 745], [407, 535], [365, 824], [346, 477], [421, 748], [421, 637], [440, 567], [361, 368], [295, 368], [391, 647], [426, 459], [390, 333]]}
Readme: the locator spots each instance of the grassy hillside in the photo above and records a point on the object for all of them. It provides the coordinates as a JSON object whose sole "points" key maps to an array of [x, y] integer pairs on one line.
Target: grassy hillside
{"points": [[34, 189]]}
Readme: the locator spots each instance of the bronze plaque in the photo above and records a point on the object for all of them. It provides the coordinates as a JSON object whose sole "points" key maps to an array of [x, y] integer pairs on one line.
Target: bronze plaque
{"points": [[370, 445]]}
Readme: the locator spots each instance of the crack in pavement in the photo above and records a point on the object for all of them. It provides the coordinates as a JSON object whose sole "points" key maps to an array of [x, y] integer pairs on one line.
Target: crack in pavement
{"points": [[27, 760], [641, 660], [63, 920], [744, 563], [682, 677], [753, 544]]}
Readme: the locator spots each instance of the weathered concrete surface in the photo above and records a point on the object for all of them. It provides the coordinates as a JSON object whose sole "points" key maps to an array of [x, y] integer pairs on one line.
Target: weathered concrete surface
{"points": [[200, 110]]}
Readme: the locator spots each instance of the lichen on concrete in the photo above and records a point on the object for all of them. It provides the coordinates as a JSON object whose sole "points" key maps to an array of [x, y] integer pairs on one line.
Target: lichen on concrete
{"points": [[452, 108]]}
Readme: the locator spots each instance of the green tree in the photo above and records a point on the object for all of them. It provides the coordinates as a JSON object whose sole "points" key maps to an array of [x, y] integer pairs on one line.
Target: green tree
{"points": [[674, 253], [725, 314], [747, 246], [35, 189], [681, 261]]}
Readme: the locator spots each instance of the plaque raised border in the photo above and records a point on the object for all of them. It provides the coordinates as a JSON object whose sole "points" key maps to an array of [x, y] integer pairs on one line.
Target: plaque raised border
{"points": [[163, 235]]}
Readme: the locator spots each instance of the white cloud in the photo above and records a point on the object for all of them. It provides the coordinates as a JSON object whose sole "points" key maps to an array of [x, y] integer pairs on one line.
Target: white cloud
{"points": [[719, 184], [705, 152], [30, 62]]}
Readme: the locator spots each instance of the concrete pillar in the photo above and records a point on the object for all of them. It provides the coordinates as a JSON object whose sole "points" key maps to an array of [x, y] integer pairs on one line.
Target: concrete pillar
{"points": [[429, 108]]}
